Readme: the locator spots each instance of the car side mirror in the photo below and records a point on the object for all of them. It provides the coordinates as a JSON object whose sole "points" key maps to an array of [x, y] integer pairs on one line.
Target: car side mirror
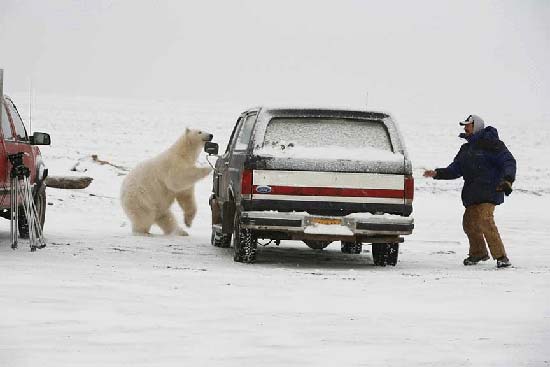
{"points": [[211, 148], [40, 139]]}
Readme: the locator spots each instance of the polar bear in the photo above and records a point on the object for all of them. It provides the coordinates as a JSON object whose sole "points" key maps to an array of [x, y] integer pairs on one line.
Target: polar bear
{"points": [[149, 189]]}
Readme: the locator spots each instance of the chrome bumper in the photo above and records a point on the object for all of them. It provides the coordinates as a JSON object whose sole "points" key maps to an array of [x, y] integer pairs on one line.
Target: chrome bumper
{"points": [[353, 225]]}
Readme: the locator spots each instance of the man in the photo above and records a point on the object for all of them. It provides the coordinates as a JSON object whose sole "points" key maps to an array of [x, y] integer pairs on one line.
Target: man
{"points": [[488, 169]]}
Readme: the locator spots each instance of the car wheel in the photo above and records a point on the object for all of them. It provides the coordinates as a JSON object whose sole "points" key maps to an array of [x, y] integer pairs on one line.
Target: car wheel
{"points": [[40, 205], [220, 239], [316, 244], [385, 254], [351, 247], [245, 244]]}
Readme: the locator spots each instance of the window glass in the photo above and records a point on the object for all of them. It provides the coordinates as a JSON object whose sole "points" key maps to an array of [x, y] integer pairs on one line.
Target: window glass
{"points": [[245, 132], [17, 122], [6, 127], [234, 133], [327, 132]]}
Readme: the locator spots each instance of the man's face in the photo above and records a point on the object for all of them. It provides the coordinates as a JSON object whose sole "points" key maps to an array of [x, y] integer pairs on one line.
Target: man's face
{"points": [[469, 129]]}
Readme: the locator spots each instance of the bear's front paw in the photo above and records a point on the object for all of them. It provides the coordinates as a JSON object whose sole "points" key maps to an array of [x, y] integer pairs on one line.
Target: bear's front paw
{"points": [[188, 219], [181, 232]]}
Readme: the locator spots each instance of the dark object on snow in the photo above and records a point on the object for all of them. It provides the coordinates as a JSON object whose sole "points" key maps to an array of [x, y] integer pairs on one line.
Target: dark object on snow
{"points": [[68, 182], [96, 159]]}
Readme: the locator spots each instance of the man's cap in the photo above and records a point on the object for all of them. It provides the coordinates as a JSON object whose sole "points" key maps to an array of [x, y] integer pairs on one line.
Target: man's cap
{"points": [[475, 119], [478, 122]]}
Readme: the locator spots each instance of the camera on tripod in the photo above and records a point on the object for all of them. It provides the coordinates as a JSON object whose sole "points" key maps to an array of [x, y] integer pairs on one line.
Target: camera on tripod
{"points": [[21, 195], [18, 168]]}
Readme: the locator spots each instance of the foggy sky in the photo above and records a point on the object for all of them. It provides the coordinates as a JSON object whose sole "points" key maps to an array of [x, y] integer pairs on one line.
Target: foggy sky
{"points": [[414, 57]]}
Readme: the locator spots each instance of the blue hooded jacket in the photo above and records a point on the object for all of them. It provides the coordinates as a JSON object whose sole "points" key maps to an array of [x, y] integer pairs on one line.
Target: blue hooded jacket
{"points": [[484, 161]]}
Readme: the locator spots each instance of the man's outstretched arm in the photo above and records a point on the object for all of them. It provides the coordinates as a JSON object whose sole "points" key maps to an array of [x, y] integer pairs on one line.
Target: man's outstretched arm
{"points": [[451, 172]]}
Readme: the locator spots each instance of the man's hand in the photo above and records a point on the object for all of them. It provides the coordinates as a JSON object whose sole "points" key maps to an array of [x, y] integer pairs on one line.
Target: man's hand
{"points": [[505, 186], [429, 173]]}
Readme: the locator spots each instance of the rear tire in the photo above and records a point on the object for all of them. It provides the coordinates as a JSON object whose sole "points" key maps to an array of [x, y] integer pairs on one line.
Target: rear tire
{"points": [[393, 254], [40, 204], [317, 244], [245, 244], [385, 254], [351, 247]]}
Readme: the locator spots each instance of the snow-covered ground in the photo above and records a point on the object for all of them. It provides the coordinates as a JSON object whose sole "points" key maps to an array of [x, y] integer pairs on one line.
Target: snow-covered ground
{"points": [[98, 296]]}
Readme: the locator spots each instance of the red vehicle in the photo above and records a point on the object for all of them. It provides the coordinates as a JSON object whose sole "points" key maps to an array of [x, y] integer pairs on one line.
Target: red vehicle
{"points": [[14, 139]]}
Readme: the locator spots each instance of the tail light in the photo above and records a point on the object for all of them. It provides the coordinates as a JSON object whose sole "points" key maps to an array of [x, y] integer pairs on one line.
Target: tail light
{"points": [[409, 188], [246, 184]]}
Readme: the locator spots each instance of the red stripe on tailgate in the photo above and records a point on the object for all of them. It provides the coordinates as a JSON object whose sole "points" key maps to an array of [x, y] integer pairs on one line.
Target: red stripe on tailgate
{"points": [[333, 191]]}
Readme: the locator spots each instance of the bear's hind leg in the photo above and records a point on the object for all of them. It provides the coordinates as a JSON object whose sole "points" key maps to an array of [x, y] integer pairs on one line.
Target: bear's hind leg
{"points": [[141, 227], [141, 223], [167, 222]]}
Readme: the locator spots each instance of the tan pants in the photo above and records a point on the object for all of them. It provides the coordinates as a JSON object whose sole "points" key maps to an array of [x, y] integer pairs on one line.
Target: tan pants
{"points": [[479, 225]]}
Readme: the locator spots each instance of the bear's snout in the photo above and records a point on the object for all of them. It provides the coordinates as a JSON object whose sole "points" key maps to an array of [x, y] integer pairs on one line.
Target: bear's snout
{"points": [[209, 137]]}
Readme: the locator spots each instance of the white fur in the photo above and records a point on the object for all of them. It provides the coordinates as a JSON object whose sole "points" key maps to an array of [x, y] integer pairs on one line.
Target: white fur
{"points": [[151, 187]]}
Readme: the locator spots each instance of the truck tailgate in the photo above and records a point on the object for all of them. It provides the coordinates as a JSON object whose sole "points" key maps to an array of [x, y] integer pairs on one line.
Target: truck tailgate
{"points": [[330, 193]]}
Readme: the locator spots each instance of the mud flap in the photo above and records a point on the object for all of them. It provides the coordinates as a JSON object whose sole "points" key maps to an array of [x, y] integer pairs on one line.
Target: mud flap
{"points": [[228, 214]]}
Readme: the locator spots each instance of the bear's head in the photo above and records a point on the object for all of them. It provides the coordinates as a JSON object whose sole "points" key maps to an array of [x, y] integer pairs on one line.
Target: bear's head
{"points": [[197, 136], [191, 143]]}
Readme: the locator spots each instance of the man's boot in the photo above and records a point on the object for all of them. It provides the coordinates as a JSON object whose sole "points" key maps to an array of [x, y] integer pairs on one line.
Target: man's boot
{"points": [[503, 262], [472, 260]]}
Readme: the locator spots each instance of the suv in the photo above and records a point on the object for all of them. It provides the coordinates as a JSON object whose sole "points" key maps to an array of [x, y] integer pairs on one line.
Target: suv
{"points": [[315, 175], [14, 139]]}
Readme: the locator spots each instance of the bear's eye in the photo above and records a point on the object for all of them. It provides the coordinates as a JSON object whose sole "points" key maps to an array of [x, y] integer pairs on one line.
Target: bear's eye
{"points": [[200, 132]]}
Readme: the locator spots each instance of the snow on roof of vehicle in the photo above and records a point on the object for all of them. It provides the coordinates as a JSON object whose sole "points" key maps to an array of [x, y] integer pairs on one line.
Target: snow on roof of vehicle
{"points": [[335, 139], [321, 111], [266, 115]]}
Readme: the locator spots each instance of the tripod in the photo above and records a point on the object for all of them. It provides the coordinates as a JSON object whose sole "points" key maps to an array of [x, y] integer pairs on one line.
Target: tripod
{"points": [[21, 189]]}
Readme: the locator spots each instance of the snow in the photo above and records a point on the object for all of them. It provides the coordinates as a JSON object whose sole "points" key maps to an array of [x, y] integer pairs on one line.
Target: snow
{"points": [[380, 218], [99, 296], [329, 144], [317, 228], [283, 150], [319, 132]]}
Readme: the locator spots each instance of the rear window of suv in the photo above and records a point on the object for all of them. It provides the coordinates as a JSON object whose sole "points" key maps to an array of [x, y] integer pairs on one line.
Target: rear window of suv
{"points": [[327, 132]]}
